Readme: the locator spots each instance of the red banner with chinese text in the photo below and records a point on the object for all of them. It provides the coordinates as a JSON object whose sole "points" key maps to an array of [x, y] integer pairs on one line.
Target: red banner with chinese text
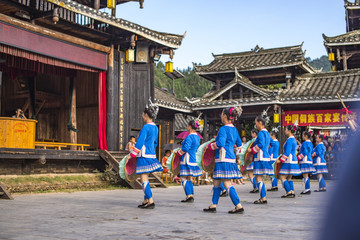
{"points": [[317, 117]]}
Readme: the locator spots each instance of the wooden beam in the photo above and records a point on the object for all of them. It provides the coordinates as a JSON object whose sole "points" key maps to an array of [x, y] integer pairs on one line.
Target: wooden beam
{"points": [[4, 194], [73, 134], [344, 59], [0, 91], [53, 34], [241, 92]]}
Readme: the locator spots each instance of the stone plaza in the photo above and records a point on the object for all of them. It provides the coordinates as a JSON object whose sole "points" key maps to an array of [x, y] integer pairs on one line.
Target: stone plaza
{"points": [[114, 215]]}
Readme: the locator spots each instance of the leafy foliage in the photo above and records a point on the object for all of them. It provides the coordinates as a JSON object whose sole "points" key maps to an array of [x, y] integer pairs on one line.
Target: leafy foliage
{"points": [[192, 85], [319, 63]]}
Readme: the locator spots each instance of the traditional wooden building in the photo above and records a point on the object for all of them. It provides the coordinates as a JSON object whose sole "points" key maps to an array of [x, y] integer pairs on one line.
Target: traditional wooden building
{"points": [[344, 49], [83, 74]]}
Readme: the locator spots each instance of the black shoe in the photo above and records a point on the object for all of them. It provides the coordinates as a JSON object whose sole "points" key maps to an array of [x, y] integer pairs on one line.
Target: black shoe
{"points": [[189, 199], [290, 195], [306, 192], [320, 190], [273, 189], [236, 211], [254, 191], [260, 201], [209, 209], [141, 205], [223, 194], [149, 206]]}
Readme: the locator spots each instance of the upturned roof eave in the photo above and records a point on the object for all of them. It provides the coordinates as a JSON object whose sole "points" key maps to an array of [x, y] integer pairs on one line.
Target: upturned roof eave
{"points": [[161, 38]]}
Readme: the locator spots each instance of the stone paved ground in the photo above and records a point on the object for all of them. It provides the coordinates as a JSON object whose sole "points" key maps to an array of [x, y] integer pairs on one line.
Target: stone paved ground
{"points": [[114, 215]]}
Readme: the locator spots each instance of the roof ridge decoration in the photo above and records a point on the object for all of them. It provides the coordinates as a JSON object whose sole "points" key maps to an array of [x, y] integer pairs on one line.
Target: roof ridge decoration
{"points": [[239, 79], [166, 39], [259, 51], [351, 5], [257, 60], [349, 38]]}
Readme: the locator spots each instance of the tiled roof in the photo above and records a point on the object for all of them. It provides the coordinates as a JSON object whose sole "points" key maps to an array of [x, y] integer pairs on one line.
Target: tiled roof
{"points": [[349, 38], [323, 87], [181, 122], [257, 59], [351, 5], [307, 89], [239, 79], [166, 39], [167, 100]]}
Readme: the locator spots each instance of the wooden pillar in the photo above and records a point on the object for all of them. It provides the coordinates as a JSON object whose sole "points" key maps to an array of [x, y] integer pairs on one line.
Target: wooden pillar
{"points": [[113, 99], [344, 58], [73, 135], [288, 85], [281, 130], [0, 92], [241, 93], [217, 84], [231, 94], [206, 129], [251, 94], [96, 4]]}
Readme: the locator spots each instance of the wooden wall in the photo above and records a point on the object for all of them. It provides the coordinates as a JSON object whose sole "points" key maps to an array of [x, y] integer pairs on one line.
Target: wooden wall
{"points": [[138, 82], [52, 98]]}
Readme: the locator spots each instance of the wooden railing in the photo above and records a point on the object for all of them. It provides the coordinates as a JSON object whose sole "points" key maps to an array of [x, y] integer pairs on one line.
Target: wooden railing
{"points": [[65, 14]]}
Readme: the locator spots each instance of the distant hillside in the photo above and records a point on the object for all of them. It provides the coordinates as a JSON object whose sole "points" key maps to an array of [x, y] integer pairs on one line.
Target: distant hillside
{"points": [[319, 63], [193, 85]]}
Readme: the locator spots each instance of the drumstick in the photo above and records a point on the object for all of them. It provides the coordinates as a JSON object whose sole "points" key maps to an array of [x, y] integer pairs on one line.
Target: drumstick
{"points": [[353, 125]]}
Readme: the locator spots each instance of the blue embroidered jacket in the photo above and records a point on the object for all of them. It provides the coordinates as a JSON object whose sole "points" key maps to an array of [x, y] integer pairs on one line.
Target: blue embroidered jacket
{"points": [[318, 155], [146, 142], [261, 146], [225, 141], [289, 155], [274, 149], [188, 151], [305, 152]]}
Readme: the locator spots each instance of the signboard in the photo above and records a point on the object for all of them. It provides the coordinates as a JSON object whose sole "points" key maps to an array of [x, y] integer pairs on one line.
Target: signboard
{"points": [[37, 43], [333, 117]]}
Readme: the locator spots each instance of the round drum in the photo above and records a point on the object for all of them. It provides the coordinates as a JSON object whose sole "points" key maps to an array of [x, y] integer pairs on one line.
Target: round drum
{"points": [[249, 156], [277, 167], [208, 160], [130, 169], [175, 164]]}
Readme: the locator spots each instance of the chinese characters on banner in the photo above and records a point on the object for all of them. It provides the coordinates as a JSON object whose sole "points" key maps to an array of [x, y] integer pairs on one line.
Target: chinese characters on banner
{"points": [[318, 117], [121, 103]]}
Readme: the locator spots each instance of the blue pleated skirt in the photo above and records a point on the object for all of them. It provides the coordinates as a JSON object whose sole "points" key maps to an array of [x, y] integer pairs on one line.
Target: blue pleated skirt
{"points": [[307, 168], [290, 169], [321, 169], [226, 170], [190, 171], [263, 168], [148, 165], [250, 167]]}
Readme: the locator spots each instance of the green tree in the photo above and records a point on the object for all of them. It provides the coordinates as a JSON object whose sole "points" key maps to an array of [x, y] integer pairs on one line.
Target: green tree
{"points": [[192, 85], [320, 63]]}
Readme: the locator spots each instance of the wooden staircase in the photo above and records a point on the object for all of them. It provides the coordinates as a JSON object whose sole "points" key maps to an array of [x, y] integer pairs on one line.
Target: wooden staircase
{"points": [[114, 157], [4, 194]]}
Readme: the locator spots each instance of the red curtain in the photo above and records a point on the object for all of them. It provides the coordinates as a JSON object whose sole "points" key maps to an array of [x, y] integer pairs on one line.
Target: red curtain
{"points": [[102, 111]]}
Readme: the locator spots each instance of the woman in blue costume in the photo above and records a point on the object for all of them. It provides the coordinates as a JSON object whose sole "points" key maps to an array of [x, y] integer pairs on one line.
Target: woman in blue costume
{"points": [[145, 152], [274, 154], [305, 160], [290, 164], [262, 164], [225, 160], [250, 168], [320, 163], [188, 164]]}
